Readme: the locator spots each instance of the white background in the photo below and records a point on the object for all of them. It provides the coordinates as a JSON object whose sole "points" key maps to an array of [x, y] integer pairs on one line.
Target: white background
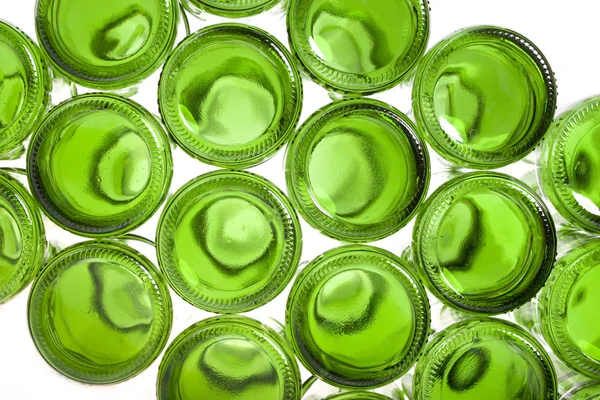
{"points": [[566, 32]]}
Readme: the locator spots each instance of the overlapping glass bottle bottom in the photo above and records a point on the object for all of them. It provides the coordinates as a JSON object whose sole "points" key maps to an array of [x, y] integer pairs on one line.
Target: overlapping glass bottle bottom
{"points": [[357, 316]]}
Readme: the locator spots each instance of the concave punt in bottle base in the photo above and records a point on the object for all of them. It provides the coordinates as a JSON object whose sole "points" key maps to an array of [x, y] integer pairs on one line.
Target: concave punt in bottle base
{"points": [[99, 312], [110, 44], [99, 165], [229, 241], [357, 46], [357, 317], [568, 309], [484, 243], [229, 358], [22, 243], [484, 358], [570, 165], [24, 87], [484, 97], [230, 96], [357, 170]]}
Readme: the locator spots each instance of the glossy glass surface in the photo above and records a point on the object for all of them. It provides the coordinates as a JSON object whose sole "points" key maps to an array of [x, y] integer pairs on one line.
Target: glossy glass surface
{"points": [[358, 396], [229, 241], [357, 170], [228, 358], [568, 309], [356, 46], [484, 242], [484, 97], [590, 392], [230, 96], [22, 241], [357, 317], [484, 358], [570, 165], [99, 165], [110, 44], [24, 87], [100, 312], [232, 8]]}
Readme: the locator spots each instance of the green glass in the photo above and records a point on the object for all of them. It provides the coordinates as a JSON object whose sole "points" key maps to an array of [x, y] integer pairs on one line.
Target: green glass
{"points": [[484, 358], [109, 44], [229, 241], [568, 309], [231, 8], [24, 87], [228, 358], [357, 317], [590, 392], [357, 170], [100, 165], [22, 238], [484, 243], [358, 395], [230, 96], [484, 97], [570, 165], [356, 46], [315, 389], [100, 312]]}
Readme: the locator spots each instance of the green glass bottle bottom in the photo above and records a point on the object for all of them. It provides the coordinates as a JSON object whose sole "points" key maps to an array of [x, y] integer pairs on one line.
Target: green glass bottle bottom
{"points": [[24, 87], [357, 170], [228, 358], [230, 95], [107, 45], [358, 47], [484, 242], [22, 243], [484, 357], [484, 97], [100, 165], [229, 241], [568, 309], [100, 312], [570, 165], [357, 317]]}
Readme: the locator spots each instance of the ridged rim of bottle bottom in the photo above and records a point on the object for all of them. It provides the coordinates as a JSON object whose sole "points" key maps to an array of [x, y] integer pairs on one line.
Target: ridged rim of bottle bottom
{"points": [[552, 306], [350, 83], [273, 344], [445, 343], [87, 74], [573, 394], [271, 196], [298, 183], [552, 168], [235, 9], [32, 235], [458, 152], [326, 264], [358, 396], [127, 258], [157, 143], [257, 150], [434, 210]]}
